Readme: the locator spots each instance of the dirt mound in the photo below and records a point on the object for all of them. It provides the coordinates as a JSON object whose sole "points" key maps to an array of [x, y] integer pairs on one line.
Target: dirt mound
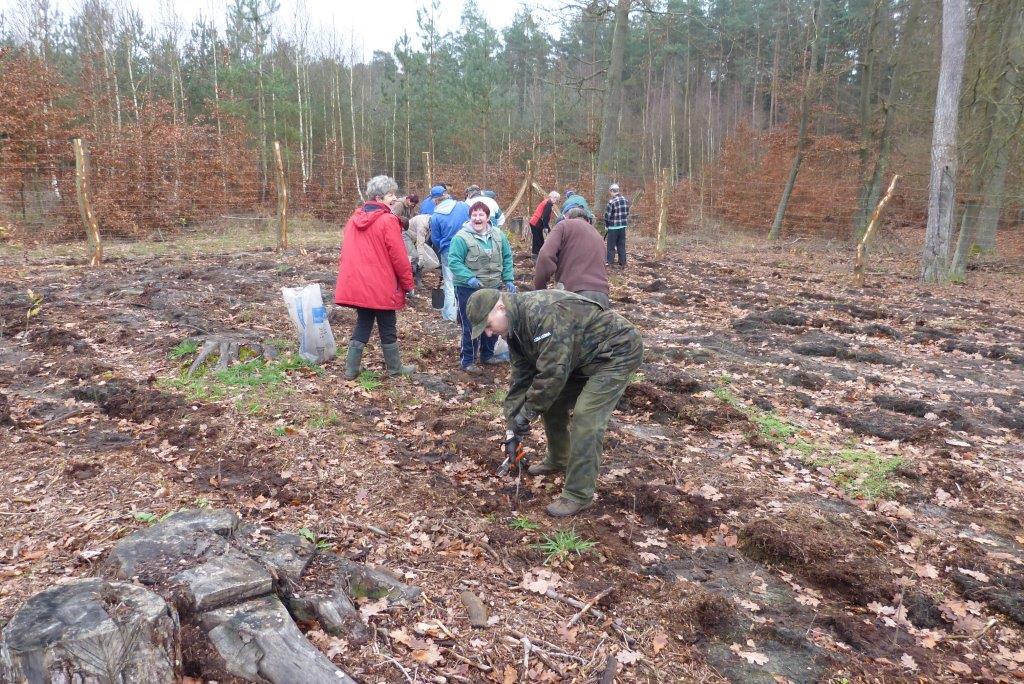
{"points": [[824, 551], [667, 408]]}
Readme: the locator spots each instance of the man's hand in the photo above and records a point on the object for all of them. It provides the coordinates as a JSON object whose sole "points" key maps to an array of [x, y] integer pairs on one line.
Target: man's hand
{"points": [[520, 426], [474, 282], [510, 287]]}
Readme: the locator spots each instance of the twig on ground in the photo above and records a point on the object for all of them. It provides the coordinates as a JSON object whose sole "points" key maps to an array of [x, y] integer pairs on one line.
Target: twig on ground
{"points": [[399, 665], [599, 614], [468, 661], [345, 522], [552, 648], [576, 618], [542, 655], [527, 647]]}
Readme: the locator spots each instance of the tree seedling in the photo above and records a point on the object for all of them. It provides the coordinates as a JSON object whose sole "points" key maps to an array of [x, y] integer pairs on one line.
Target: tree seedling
{"points": [[314, 539]]}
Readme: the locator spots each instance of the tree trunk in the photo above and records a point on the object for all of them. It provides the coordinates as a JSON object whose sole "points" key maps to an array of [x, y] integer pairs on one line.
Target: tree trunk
{"points": [[612, 102], [992, 203], [805, 115], [302, 127], [352, 119], [867, 71], [898, 58], [996, 112], [942, 182]]}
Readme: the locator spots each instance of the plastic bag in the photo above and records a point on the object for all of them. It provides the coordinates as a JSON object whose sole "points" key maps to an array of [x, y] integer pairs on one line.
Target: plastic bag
{"points": [[307, 311]]}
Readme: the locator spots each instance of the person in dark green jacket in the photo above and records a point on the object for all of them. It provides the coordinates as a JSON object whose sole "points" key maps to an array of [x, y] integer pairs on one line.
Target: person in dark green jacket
{"points": [[479, 256], [569, 354]]}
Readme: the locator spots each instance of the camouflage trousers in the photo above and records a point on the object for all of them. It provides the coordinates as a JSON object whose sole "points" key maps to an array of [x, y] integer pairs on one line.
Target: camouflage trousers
{"points": [[575, 424]]}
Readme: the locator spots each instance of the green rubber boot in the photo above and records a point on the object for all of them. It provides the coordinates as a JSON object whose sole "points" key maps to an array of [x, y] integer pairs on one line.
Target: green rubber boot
{"points": [[393, 360], [354, 360]]}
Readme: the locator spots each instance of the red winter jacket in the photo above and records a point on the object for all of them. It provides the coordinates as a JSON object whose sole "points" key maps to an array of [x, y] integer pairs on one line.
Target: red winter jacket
{"points": [[374, 270]]}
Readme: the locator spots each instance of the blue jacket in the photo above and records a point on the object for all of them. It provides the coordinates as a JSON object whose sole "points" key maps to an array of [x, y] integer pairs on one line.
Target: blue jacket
{"points": [[427, 206], [446, 221]]}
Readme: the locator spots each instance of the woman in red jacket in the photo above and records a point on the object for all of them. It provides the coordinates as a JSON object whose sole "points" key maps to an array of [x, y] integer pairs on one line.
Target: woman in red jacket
{"points": [[374, 275]]}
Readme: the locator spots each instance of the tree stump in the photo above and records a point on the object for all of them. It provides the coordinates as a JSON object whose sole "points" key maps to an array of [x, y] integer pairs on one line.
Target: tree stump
{"points": [[92, 631], [229, 349]]}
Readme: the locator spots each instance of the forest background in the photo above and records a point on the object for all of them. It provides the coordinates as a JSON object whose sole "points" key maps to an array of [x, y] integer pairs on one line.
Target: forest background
{"points": [[717, 96]]}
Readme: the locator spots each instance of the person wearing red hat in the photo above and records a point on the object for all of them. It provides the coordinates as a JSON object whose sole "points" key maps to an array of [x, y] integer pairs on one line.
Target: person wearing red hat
{"points": [[479, 257]]}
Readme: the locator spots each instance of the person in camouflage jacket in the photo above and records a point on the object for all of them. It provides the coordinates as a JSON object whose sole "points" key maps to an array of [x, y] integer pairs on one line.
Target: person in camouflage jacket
{"points": [[568, 354]]}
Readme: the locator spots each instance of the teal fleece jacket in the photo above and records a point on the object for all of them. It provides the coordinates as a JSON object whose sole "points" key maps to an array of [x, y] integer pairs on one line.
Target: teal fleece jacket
{"points": [[457, 260]]}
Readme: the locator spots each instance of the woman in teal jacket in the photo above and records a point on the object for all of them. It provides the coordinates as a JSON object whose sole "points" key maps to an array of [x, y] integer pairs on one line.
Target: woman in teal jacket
{"points": [[479, 256]]}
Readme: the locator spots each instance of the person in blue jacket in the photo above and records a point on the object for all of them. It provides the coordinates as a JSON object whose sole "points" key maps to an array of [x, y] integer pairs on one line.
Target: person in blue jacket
{"points": [[436, 193], [448, 217]]}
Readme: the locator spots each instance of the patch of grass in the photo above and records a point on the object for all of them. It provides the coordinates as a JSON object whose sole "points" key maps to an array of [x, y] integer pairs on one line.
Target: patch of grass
{"points": [[194, 387], [252, 407], [769, 425], [862, 473], [522, 523], [772, 427], [563, 544], [252, 374], [279, 431], [369, 380], [324, 420], [281, 344], [145, 517], [183, 349], [636, 377]]}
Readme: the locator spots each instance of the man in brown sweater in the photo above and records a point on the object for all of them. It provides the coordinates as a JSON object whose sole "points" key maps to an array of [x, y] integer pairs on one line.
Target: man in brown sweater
{"points": [[574, 255]]}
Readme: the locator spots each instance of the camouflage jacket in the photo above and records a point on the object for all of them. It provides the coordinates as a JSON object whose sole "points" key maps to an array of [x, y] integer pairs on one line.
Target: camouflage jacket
{"points": [[554, 335]]}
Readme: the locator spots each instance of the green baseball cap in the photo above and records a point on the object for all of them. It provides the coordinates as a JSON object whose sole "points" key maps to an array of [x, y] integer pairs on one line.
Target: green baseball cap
{"points": [[479, 306]]}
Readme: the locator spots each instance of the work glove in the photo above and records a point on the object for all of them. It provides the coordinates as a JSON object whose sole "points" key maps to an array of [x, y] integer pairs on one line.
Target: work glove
{"points": [[520, 426], [510, 287], [474, 283]]}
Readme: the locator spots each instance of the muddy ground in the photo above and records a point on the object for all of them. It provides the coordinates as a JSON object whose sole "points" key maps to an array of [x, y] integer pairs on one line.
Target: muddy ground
{"points": [[806, 482]]}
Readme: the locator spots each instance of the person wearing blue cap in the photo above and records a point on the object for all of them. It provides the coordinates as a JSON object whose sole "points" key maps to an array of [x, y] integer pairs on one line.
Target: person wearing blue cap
{"points": [[436, 193]]}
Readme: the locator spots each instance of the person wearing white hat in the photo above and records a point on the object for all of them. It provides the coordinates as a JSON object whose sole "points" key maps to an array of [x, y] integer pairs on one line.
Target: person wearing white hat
{"points": [[616, 218]]}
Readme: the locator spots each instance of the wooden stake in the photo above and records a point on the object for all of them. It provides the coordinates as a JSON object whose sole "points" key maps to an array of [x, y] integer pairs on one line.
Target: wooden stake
{"points": [[858, 267], [92, 228], [282, 200], [659, 242], [429, 171], [519, 195]]}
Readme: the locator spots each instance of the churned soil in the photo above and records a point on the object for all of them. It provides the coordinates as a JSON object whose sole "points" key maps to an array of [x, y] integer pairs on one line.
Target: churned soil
{"points": [[804, 481]]}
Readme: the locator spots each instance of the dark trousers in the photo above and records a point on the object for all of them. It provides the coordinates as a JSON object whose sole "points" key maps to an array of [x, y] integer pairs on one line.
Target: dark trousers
{"points": [[387, 325], [538, 239], [484, 345], [616, 243]]}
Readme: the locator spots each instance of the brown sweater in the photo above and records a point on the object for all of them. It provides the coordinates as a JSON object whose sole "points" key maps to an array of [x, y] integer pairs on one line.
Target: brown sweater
{"points": [[574, 254]]}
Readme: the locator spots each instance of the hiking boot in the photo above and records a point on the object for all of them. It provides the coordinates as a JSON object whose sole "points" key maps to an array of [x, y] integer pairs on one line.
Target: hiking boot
{"points": [[542, 469], [393, 360], [473, 369], [503, 357], [562, 507], [354, 359]]}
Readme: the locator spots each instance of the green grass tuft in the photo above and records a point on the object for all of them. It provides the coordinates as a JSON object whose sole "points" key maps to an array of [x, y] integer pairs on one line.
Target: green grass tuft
{"points": [[522, 523], [369, 380], [562, 544], [183, 349]]}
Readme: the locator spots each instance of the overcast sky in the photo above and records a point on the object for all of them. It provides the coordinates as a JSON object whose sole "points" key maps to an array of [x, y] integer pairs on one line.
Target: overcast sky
{"points": [[367, 24]]}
